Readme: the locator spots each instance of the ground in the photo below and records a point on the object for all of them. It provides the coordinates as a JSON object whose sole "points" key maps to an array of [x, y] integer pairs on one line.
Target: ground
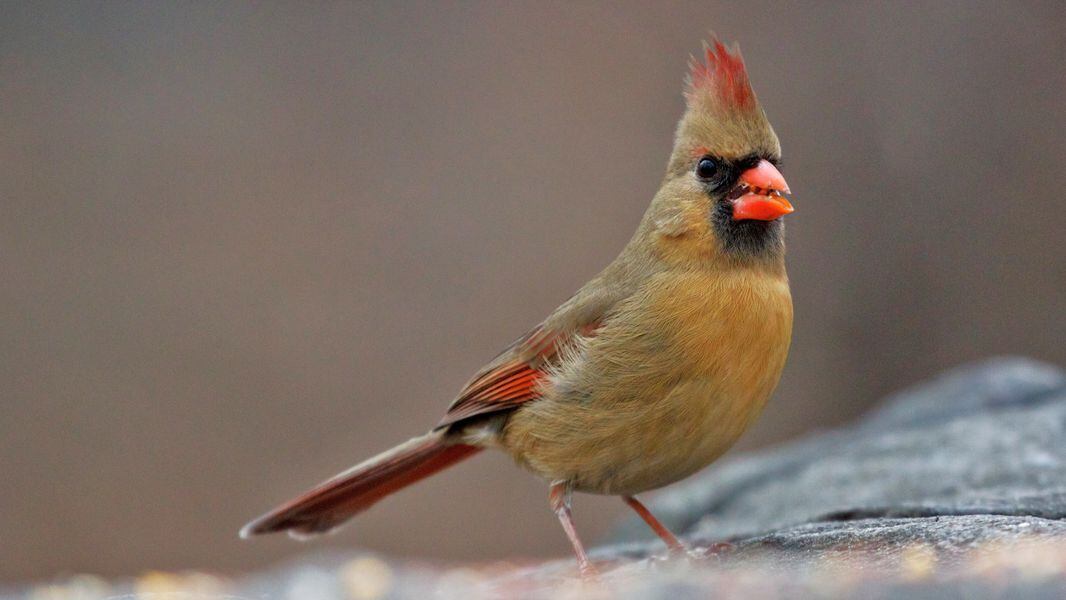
{"points": [[953, 488]]}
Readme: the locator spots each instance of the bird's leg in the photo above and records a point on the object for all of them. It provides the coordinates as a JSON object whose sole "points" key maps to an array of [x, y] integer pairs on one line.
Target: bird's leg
{"points": [[675, 545], [559, 498]]}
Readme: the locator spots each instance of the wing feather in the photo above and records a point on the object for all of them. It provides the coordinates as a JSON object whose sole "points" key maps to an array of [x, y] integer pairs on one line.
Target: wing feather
{"points": [[509, 383]]}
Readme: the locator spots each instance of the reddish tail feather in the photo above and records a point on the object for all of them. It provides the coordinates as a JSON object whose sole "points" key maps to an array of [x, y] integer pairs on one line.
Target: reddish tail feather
{"points": [[355, 490]]}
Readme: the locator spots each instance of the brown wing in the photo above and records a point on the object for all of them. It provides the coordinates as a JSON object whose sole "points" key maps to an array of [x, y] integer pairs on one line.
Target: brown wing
{"points": [[515, 377]]}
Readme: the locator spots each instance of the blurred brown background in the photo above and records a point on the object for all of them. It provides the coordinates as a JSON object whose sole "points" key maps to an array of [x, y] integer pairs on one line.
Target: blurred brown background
{"points": [[246, 245]]}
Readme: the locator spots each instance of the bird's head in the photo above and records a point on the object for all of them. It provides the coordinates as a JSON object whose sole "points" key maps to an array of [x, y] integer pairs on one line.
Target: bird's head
{"points": [[723, 193]]}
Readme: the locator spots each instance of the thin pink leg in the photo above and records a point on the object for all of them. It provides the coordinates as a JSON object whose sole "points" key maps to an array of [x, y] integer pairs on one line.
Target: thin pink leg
{"points": [[675, 545], [559, 498]]}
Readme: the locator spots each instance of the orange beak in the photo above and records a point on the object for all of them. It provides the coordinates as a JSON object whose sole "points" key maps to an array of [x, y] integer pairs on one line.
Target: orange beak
{"points": [[762, 199]]}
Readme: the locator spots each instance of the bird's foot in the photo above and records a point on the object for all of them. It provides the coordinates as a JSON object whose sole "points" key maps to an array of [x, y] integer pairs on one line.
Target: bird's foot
{"points": [[715, 550], [679, 549], [721, 548], [589, 573]]}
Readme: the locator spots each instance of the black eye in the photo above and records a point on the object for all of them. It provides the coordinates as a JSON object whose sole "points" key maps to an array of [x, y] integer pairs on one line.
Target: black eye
{"points": [[706, 168]]}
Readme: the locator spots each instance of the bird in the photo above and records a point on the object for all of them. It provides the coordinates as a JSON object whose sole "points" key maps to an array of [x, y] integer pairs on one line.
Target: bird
{"points": [[653, 368]]}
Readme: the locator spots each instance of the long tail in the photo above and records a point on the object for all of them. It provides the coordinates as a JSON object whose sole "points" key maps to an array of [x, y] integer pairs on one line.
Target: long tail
{"points": [[338, 499]]}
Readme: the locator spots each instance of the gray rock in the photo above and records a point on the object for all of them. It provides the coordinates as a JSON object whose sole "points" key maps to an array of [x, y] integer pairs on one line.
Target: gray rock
{"points": [[883, 541], [988, 439], [953, 489], [984, 386]]}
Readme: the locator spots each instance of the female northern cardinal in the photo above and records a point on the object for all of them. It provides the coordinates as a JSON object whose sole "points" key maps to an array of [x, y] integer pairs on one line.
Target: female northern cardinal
{"points": [[656, 366]]}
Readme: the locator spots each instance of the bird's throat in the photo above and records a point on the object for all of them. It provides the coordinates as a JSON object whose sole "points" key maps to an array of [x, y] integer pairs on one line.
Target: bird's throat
{"points": [[748, 239]]}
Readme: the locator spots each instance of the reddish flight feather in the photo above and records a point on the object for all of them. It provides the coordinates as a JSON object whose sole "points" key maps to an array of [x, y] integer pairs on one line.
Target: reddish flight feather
{"points": [[513, 382], [500, 388], [338, 499]]}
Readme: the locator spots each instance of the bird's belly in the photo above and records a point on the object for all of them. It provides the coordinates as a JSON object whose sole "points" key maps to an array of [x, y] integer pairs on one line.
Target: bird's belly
{"points": [[658, 412], [618, 453], [699, 422]]}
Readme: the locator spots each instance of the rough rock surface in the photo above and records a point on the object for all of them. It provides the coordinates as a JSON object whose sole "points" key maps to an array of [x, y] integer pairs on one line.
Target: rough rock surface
{"points": [[955, 488], [988, 439]]}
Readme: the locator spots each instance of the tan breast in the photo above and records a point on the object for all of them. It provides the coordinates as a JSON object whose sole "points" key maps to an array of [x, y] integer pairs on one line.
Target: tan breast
{"points": [[664, 389]]}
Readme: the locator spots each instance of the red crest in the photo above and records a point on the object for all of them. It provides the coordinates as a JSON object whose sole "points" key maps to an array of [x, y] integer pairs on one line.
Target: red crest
{"points": [[722, 74]]}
